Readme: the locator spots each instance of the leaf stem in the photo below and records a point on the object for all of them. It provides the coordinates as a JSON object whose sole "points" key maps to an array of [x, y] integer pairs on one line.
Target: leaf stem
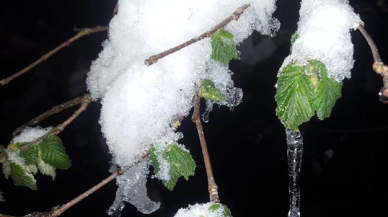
{"points": [[235, 16], [83, 32], [212, 186]]}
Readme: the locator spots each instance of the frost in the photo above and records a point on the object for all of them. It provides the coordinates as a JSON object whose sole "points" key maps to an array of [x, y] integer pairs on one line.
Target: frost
{"points": [[31, 133], [140, 102], [323, 34], [132, 189], [15, 158], [199, 210]]}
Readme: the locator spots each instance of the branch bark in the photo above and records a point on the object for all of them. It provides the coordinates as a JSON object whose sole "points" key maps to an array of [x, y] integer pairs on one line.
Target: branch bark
{"points": [[235, 16], [83, 32], [379, 67], [212, 186]]}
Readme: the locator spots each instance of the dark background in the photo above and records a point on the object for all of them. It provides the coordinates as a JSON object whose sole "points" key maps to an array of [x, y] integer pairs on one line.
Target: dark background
{"points": [[344, 162]]}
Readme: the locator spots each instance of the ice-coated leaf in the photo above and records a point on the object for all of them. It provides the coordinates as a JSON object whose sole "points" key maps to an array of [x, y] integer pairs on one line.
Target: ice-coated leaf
{"points": [[32, 169], [46, 169], [30, 155], [181, 164], [328, 91], [6, 169], [52, 152], [209, 91], [295, 95], [225, 210], [224, 48], [21, 177], [1, 197]]}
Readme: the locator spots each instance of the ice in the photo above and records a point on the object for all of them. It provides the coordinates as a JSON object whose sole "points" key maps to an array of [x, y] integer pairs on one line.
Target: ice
{"points": [[324, 34], [199, 210], [140, 102], [132, 189], [31, 133], [294, 156]]}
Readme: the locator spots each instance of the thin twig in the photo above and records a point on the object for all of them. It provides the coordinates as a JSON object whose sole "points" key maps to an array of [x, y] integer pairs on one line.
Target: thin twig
{"points": [[54, 110], [84, 100], [378, 66], [235, 16], [82, 33], [213, 188]]}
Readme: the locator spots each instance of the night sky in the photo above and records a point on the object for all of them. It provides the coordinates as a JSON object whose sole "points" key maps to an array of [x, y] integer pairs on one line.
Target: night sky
{"points": [[344, 162]]}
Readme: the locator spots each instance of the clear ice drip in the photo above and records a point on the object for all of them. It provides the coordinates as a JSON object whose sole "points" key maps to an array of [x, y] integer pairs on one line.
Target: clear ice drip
{"points": [[294, 156], [132, 189]]}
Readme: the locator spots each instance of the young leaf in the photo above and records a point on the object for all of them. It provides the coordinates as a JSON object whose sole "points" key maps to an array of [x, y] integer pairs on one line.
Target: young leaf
{"points": [[209, 91], [224, 48], [225, 210], [46, 169], [21, 177], [1, 197], [30, 155], [328, 91], [180, 161], [295, 95], [6, 169], [52, 151]]}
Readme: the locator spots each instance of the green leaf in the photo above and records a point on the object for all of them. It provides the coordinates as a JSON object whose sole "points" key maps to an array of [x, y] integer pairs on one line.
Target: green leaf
{"points": [[21, 177], [16, 146], [6, 169], [1, 197], [328, 91], [293, 38], [295, 94], [46, 169], [209, 91], [224, 48], [30, 155], [180, 161], [225, 210], [32, 169], [52, 151]]}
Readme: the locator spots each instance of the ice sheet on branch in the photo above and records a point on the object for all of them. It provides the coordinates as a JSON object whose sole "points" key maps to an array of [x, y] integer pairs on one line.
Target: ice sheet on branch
{"points": [[324, 34], [140, 102]]}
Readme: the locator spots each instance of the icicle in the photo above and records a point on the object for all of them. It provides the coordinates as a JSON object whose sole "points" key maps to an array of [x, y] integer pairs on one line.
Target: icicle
{"points": [[294, 155]]}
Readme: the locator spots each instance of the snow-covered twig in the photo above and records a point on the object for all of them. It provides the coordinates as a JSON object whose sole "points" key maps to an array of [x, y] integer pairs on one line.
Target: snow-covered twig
{"points": [[83, 100], [213, 188], [83, 32], [235, 16], [379, 67]]}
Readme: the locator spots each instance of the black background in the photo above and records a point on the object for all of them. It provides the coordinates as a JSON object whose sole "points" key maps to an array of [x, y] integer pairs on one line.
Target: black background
{"points": [[344, 166]]}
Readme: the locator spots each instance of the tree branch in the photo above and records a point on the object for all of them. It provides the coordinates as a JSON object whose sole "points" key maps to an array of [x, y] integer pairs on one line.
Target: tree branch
{"points": [[379, 67], [83, 100], [212, 186], [235, 16], [83, 32]]}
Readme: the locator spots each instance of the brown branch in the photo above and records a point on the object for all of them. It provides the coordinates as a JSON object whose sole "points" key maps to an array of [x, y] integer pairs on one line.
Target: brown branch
{"points": [[82, 33], [212, 186], [378, 66], [54, 110], [235, 16], [83, 100]]}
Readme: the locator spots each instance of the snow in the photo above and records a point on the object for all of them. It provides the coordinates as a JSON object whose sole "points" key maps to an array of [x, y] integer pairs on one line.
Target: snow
{"points": [[199, 210], [140, 102], [29, 134], [324, 34]]}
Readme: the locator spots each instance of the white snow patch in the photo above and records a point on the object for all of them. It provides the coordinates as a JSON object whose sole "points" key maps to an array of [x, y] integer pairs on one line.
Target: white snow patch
{"points": [[324, 34], [199, 210], [29, 134]]}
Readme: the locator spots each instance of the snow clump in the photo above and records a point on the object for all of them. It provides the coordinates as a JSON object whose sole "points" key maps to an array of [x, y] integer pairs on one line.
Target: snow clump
{"points": [[323, 34], [29, 134], [200, 210], [140, 102]]}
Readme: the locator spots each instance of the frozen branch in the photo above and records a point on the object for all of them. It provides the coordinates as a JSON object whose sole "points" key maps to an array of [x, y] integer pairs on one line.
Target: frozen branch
{"points": [[83, 100], [213, 188], [235, 16], [379, 67], [82, 32]]}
